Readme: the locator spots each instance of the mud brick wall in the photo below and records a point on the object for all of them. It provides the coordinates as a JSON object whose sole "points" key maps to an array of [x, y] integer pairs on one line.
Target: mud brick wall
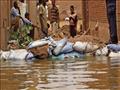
{"points": [[64, 7], [97, 12]]}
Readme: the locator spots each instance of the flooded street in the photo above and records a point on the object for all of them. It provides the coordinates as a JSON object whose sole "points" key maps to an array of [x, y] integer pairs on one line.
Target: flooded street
{"points": [[88, 73]]}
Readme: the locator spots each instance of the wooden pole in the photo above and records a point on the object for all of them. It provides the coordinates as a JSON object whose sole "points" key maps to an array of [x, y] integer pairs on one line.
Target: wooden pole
{"points": [[4, 23], [85, 14]]}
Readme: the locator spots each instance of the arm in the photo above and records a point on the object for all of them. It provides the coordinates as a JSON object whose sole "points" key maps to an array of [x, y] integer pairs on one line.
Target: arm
{"points": [[26, 21], [14, 12]]}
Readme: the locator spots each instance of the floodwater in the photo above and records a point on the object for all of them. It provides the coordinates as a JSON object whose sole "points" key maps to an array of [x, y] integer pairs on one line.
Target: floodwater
{"points": [[87, 73]]}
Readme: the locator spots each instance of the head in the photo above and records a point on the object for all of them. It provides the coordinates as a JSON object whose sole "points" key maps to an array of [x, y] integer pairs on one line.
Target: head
{"points": [[53, 2], [15, 4], [27, 15], [72, 9], [40, 1], [45, 2], [22, 1]]}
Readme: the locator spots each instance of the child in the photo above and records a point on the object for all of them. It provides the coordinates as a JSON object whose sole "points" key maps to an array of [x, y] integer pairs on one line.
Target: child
{"points": [[73, 22]]}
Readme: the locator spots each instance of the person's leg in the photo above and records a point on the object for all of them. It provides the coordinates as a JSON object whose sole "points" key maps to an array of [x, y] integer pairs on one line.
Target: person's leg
{"points": [[53, 27], [72, 31], [56, 27], [111, 14]]}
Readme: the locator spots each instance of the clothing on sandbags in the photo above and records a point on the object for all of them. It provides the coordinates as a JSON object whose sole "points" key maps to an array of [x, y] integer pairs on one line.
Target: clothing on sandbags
{"points": [[30, 56], [114, 47], [84, 47], [60, 44], [101, 52], [67, 48]]}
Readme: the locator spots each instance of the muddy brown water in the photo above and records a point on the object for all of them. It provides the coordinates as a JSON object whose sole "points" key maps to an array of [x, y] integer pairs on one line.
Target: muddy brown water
{"points": [[87, 73]]}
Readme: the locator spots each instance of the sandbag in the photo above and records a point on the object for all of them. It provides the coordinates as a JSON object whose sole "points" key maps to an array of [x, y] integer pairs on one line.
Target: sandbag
{"points": [[67, 48], [113, 54], [37, 43], [84, 47], [102, 52], [114, 47], [40, 52], [18, 54], [59, 47], [4, 55]]}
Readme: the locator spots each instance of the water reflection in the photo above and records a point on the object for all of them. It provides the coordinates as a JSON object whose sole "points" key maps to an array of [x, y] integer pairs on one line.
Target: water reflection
{"points": [[90, 73]]}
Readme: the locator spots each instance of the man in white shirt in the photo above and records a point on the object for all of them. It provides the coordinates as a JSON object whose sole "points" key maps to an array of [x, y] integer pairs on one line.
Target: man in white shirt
{"points": [[23, 7]]}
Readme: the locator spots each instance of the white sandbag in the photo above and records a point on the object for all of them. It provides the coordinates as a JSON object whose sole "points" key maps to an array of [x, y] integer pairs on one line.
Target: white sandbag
{"points": [[37, 43], [19, 54], [102, 52], [84, 47], [4, 55], [114, 54], [114, 47], [67, 48], [60, 45]]}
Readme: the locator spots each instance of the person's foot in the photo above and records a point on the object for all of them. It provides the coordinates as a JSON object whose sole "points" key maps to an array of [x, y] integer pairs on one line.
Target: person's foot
{"points": [[109, 42]]}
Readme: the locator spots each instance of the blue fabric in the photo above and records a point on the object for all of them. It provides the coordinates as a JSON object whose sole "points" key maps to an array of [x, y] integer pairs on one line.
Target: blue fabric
{"points": [[14, 12], [26, 21], [67, 48], [114, 47], [30, 56], [71, 55]]}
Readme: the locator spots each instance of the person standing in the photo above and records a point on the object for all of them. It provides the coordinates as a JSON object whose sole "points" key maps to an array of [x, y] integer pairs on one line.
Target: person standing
{"points": [[42, 18], [73, 21], [111, 15], [15, 15], [54, 17], [23, 7]]}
